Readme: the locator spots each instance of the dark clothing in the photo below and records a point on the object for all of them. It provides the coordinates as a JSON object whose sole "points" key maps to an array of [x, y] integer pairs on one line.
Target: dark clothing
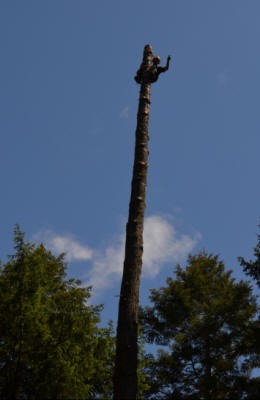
{"points": [[138, 77], [155, 72], [151, 74]]}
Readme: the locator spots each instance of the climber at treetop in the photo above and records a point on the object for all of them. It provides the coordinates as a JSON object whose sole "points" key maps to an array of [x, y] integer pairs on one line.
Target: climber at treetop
{"points": [[150, 74]]}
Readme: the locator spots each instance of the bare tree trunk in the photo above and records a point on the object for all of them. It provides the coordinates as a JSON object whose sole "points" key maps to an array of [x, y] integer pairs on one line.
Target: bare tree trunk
{"points": [[125, 380]]}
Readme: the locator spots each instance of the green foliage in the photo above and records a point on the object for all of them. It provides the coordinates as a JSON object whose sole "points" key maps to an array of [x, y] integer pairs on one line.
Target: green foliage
{"points": [[252, 268], [50, 342], [205, 319]]}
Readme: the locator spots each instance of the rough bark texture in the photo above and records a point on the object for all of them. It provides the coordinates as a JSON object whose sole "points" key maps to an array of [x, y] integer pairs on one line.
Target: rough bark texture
{"points": [[125, 383]]}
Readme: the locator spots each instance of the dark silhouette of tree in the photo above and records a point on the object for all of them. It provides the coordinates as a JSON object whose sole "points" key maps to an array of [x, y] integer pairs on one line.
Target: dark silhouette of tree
{"points": [[203, 317], [252, 267], [125, 380]]}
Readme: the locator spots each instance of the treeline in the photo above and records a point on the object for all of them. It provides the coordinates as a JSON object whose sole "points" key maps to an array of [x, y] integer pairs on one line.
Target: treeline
{"points": [[205, 323]]}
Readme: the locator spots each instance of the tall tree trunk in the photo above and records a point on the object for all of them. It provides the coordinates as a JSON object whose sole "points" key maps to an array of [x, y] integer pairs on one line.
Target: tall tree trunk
{"points": [[125, 381]]}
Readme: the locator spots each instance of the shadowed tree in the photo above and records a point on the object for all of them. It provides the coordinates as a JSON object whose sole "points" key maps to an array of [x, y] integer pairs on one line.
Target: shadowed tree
{"points": [[203, 318], [125, 380], [252, 269]]}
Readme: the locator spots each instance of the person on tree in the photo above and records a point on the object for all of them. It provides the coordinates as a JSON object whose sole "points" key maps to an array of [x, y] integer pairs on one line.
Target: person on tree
{"points": [[151, 74]]}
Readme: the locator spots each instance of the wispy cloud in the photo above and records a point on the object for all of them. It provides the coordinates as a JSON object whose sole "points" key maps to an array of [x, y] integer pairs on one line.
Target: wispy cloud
{"points": [[107, 266], [162, 246], [58, 244], [124, 113]]}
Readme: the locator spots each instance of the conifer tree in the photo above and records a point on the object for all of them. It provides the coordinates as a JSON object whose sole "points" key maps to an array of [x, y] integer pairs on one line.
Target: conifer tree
{"points": [[252, 269], [202, 319]]}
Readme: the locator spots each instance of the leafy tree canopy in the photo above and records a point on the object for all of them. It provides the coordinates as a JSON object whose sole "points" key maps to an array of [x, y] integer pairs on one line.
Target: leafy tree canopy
{"points": [[50, 342]]}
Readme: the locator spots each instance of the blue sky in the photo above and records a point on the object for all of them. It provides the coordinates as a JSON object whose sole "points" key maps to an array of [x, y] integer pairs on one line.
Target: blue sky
{"points": [[68, 105]]}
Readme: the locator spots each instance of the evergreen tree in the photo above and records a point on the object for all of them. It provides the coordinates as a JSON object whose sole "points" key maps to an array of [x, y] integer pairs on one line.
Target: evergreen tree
{"points": [[252, 269], [203, 315], [50, 344]]}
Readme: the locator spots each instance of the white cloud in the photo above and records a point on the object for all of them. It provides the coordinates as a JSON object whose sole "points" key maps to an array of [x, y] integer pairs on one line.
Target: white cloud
{"points": [[74, 250], [107, 266], [64, 244], [124, 113], [162, 246]]}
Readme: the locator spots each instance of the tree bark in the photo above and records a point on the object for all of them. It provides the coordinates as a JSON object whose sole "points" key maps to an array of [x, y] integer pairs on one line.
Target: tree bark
{"points": [[125, 379]]}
